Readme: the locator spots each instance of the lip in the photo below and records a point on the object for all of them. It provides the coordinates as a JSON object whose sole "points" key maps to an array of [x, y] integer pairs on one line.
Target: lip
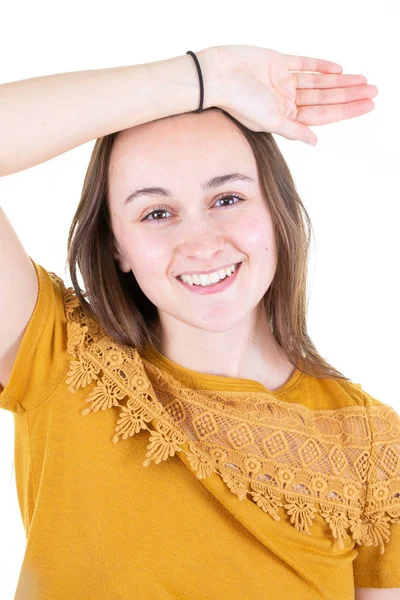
{"points": [[214, 288], [207, 272]]}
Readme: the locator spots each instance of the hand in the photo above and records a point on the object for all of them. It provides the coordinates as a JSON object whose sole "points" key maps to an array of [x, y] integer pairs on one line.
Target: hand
{"points": [[258, 87]]}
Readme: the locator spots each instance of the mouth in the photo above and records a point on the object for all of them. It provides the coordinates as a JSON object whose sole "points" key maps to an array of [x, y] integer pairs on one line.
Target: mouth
{"points": [[212, 287], [199, 273]]}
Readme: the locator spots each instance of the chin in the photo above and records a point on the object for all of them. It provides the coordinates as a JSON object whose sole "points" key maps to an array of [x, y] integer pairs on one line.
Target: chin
{"points": [[217, 323]]}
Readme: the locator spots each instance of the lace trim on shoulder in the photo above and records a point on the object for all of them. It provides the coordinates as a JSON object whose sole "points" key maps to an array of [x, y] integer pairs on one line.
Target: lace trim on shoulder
{"points": [[343, 464]]}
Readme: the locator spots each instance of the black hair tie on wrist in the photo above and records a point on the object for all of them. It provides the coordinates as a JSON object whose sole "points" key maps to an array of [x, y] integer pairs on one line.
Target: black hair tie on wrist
{"points": [[200, 109]]}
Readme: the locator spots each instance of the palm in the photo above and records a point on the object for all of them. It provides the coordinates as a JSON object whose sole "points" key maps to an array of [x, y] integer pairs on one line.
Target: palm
{"points": [[277, 94]]}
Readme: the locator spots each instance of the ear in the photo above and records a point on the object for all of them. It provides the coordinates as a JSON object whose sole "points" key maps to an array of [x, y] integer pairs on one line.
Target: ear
{"points": [[122, 262]]}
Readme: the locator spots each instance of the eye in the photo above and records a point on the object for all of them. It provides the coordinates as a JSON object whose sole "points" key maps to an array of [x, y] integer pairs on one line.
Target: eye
{"points": [[237, 196], [164, 209], [158, 209]]}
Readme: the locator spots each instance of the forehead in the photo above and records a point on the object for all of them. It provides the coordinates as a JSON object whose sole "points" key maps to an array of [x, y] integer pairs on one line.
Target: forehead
{"points": [[177, 148]]}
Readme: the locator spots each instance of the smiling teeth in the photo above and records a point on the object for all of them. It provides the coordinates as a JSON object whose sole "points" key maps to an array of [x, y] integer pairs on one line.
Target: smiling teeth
{"points": [[208, 279]]}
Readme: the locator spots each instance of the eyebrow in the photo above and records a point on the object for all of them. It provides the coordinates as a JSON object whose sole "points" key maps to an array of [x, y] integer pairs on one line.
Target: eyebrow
{"points": [[211, 183]]}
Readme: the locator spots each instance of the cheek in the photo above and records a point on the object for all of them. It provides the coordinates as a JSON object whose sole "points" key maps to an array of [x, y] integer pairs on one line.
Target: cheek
{"points": [[145, 257], [257, 236]]}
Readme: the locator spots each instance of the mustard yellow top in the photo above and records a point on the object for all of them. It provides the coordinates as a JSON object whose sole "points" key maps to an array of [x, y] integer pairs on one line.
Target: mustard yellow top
{"points": [[220, 488]]}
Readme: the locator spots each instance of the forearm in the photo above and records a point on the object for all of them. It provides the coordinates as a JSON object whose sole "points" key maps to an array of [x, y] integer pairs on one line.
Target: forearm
{"points": [[43, 117]]}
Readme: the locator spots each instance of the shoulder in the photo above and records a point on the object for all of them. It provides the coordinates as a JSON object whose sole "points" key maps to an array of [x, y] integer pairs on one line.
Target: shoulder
{"points": [[327, 393]]}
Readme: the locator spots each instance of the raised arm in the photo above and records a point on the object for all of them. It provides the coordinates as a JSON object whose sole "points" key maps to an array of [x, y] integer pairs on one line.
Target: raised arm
{"points": [[43, 117]]}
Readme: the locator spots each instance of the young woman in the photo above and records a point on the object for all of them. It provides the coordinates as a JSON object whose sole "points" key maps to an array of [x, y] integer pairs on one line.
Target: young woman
{"points": [[270, 474]]}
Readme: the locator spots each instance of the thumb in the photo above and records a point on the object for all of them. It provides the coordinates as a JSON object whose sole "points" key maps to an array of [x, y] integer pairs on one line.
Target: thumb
{"points": [[293, 130]]}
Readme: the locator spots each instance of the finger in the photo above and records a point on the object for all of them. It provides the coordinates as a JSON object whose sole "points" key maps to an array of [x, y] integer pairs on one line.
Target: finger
{"points": [[306, 63], [294, 130], [314, 80], [335, 96], [332, 113]]}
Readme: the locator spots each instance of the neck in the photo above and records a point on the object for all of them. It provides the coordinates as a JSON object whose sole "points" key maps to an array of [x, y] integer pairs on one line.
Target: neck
{"points": [[247, 351]]}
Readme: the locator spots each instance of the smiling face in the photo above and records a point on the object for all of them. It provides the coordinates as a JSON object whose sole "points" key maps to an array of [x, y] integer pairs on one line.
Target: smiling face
{"points": [[194, 229]]}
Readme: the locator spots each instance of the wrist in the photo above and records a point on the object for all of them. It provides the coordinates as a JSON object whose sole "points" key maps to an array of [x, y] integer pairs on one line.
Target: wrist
{"points": [[213, 74]]}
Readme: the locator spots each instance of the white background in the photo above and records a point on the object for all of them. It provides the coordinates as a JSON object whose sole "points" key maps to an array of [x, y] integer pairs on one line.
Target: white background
{"points": [[349, 183]]}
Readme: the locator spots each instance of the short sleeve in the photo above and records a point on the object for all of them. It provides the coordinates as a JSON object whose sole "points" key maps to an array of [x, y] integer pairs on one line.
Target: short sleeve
{"points": [[42, 357], [371, 567]]}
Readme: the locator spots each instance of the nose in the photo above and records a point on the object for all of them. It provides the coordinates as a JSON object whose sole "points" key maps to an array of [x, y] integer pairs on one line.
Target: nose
{"points": [[201, 240]]}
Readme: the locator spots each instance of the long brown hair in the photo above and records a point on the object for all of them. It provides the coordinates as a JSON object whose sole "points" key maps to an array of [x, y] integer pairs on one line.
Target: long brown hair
{"points": [[125, 312]]}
